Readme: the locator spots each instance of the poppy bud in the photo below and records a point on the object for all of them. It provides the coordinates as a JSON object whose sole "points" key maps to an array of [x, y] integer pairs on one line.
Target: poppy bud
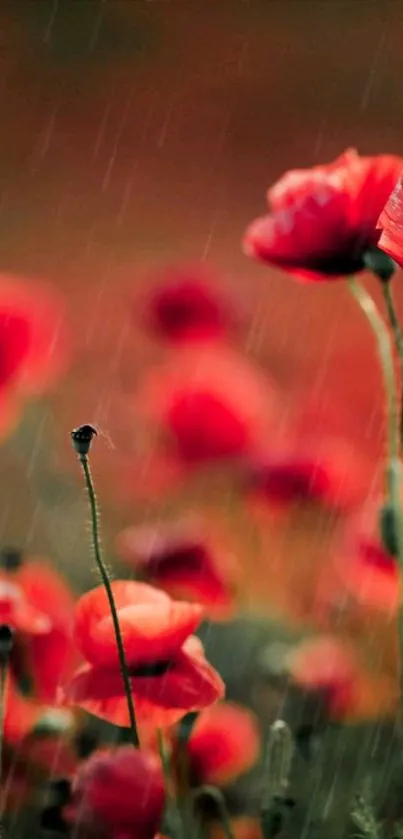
{"points": [[11, 559], [390, 519], [55, 721], [6, 641], [382, 265], [82, 438]]}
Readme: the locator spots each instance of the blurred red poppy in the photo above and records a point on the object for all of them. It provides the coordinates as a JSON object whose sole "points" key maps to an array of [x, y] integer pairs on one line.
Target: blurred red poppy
{"points": [[21, 714], [178, 559], [391, 224], [323, 220], [122, 790], [18, 612], [169, 674], [324, 471], [186, 307], [361, 567], [40, 736], [224, 743], [205, 427], [211, 405], [33, 344], [51, 657], [329, 666]]}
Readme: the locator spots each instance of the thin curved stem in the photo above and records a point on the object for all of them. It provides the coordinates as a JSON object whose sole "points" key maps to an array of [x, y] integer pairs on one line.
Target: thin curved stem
{"points": [[3, 680], [393, 469], [398, 339], [384, 346], [109, 593]]}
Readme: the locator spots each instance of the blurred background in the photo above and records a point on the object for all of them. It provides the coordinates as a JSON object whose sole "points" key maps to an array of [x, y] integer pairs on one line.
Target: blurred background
{"points": [[143, 132]]}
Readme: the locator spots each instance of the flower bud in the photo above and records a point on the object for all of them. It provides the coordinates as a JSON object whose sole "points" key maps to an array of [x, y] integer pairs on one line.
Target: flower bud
{"points": [[82, 438], [11, 558], [382, 265], [390, 520]]}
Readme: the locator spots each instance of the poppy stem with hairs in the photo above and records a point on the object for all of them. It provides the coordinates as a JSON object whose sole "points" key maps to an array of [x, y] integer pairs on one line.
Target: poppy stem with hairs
{"points": [[398, 338], [6, 645], [393, 467], [82, 438]]}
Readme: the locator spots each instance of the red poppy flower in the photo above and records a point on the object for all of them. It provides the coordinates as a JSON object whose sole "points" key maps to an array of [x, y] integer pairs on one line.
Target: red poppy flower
{"points": [[40, 736], [33, 344], [325, 472], [21, 715], [37, 603], [211, 405], [122, 790], [329, 667], [178, 559], [224, 743], [17, 611], [51, 657], [185, 307], [391, 224], [323, 220], [169, 674], [32, 339], [362, 568]]}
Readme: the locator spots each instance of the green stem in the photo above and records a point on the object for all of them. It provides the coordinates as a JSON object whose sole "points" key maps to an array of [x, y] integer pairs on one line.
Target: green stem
{"points": [[384, 345], [4, 660], [398, 338], [175, 823], [109, 593], [393, 469], [3, 680], [215, 795]]}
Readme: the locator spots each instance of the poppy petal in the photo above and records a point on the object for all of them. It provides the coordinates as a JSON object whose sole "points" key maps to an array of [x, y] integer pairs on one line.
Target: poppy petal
{"points": [[153, 626], [16, 611], [391, 224], [323, 219], [224, 743], [190, 684]]}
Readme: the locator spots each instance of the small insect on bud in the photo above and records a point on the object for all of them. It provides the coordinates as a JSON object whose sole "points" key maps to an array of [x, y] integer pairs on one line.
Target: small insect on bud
{"points": [[382, 265], [6, 641], [11, 559], [82, 438], [390, 520]]}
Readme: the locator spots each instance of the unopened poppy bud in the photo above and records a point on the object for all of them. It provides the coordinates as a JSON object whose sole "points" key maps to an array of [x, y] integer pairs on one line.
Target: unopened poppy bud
{"points": [[82, 438], [382, 265], [11, 558], [54, 721], [279, 755], [390, 520], [6, 640]]}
